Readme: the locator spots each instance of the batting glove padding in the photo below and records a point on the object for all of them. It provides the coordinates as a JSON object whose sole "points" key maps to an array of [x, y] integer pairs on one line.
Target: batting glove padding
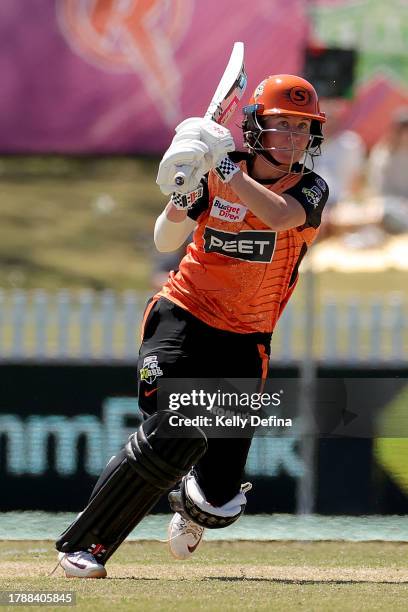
{"points": [[226, 169], [218, 139], [188, 129], [190, 153]]}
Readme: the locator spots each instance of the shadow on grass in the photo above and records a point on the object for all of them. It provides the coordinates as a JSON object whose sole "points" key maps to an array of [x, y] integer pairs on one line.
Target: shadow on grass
{"points": [[254, 579], [300, 581]]}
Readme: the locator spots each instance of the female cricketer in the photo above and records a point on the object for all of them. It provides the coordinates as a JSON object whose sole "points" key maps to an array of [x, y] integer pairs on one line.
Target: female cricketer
{"points": [[254, 215]]}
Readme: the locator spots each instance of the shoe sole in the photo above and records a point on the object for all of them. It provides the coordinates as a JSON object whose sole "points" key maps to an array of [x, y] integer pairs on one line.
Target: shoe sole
{"points": [[96, 574], [70, 570]]}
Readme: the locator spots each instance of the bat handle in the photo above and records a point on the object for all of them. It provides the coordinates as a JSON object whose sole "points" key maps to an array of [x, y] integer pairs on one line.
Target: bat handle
{"points": [[183, 175]]}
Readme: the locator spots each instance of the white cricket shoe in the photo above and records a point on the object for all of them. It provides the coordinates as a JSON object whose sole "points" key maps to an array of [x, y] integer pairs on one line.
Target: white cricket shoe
{"points": [[81, 564], [184, 536]]}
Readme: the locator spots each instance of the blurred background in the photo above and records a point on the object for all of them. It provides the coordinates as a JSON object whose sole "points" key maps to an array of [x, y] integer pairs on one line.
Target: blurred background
{"points": [[91, 93]]}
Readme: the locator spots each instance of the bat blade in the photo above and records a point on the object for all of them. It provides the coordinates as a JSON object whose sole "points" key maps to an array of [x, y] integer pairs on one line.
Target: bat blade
{"points": [[230, 89], [226, 98]]}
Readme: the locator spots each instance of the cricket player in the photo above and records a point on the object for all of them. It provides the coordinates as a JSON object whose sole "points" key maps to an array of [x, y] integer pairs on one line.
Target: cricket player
{"points": [[254, 215]]}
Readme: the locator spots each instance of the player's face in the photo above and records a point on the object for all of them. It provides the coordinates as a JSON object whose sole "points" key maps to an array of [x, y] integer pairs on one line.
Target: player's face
{"points": [[288, 138]]}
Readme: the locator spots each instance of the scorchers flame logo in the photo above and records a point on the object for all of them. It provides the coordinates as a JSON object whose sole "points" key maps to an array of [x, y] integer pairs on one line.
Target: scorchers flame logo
{"points": [[131, 36], [298, 95]]}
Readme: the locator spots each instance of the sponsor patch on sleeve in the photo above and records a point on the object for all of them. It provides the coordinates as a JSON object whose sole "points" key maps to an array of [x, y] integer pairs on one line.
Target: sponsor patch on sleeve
{"points": [[313, 195]]}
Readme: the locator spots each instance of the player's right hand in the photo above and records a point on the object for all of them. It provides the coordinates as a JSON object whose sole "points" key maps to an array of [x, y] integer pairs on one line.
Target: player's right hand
{"points": [[218, 138], [189, 152]]}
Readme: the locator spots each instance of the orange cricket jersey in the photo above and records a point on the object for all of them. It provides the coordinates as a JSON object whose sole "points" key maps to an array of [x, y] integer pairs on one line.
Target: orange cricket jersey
{"points": [[238, 274]]}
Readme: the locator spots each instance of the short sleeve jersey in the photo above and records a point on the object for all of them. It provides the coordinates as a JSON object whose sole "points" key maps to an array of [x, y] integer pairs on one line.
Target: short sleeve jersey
{"points": [[238, 274]]}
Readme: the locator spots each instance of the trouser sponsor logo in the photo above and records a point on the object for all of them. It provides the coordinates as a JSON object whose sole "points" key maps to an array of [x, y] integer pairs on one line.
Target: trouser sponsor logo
{"points": [[255, 246], [150, 369]]}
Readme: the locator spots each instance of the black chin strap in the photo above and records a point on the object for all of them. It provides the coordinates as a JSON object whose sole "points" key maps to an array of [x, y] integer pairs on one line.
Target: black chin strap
{"points": [[269, 158], [268, 181]]}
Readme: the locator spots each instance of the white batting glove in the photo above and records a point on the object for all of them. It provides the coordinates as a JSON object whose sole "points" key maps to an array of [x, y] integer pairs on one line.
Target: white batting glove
{"points": [[189, 129], [217, 137], [193, 154]]}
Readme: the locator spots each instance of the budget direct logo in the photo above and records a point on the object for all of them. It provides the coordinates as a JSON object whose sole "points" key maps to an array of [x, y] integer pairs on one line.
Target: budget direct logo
{"points": [[134, 36], [255, 246], [227, 211]]}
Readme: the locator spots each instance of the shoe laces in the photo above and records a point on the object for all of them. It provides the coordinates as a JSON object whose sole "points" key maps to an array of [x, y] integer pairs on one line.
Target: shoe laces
{"points": [[188, 527], [57, 566], [88, 556], [191, 527]]}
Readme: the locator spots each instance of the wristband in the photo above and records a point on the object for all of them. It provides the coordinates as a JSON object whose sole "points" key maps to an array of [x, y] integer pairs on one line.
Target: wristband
{"points": [[184, 201], [226, 169]]}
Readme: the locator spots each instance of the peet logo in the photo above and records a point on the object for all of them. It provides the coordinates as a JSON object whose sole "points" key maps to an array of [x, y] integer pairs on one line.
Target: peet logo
{"points": [[256, 246], [227, 211]]}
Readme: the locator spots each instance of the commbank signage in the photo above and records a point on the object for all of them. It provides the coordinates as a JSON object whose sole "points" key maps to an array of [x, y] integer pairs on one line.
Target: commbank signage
{"points": [[60, 424]]}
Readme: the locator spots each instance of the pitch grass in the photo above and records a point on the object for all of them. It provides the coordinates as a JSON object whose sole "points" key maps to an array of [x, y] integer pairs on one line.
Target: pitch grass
{"points": [[326, 576]]}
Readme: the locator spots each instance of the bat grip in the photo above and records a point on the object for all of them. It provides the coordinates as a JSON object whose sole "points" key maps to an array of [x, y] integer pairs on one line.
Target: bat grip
{"points": [[183, 174]]}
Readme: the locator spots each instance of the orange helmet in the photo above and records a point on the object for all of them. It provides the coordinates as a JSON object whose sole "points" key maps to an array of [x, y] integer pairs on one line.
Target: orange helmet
{"points": [[283, 94], [286, 94]]}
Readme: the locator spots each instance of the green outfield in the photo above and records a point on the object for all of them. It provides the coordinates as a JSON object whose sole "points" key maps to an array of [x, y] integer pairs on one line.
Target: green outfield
{"points": [[225, 576]]}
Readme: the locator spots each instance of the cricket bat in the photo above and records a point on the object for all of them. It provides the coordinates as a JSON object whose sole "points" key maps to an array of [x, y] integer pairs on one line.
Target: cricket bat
{"points": [[226, 98]]}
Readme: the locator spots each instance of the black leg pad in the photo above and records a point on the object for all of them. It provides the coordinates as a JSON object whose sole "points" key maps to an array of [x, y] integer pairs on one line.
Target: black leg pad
{"points": [[156, 458]]}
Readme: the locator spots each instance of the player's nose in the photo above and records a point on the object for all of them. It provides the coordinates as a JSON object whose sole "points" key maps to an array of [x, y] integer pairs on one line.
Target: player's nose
{"points": [[295, 136]]}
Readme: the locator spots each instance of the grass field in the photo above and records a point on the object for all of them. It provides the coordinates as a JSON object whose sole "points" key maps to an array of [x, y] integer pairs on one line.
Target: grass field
{"points": [[326, 576], [77, 222]]}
